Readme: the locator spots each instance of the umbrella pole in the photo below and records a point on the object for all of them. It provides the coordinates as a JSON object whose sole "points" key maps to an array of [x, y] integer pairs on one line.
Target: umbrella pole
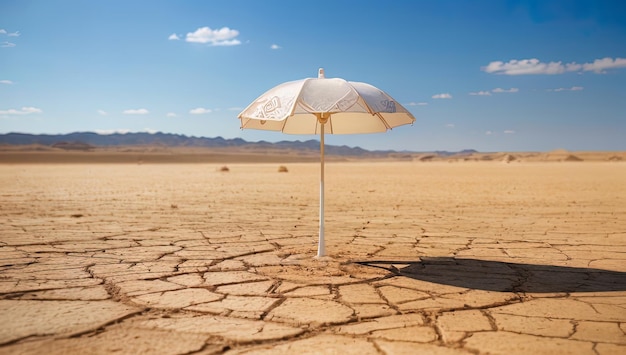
{"points": [[320, 245]]}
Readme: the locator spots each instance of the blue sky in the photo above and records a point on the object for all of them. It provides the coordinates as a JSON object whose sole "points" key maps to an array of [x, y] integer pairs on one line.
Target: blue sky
{"points": [[488, 75]]}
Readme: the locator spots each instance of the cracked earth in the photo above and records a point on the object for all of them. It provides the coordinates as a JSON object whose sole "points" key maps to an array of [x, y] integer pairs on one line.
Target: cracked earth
{"points": [[441, 258]]}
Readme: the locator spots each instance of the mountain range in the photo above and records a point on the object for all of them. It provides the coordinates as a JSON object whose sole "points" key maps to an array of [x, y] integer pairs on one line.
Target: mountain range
{"points": [[89, 140]]}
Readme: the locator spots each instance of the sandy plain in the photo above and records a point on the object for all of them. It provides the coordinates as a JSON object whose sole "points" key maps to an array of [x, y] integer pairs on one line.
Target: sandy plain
{"points": [[437, 257]]}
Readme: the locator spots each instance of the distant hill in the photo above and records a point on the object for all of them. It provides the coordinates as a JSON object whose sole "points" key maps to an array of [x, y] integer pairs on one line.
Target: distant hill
{"points": [[119, 139], [88, 140]]}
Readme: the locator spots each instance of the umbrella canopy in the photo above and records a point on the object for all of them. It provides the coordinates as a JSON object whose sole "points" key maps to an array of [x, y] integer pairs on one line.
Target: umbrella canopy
{"points": [[343, 107], [324, 105]]}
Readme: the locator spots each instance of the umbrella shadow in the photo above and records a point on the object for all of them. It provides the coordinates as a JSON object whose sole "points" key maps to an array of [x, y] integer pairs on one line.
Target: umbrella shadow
{"points": [[505, 276]]}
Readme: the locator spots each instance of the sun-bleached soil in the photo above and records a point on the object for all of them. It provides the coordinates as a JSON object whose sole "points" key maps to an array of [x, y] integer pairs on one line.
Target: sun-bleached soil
{"points": [[422, 257]]}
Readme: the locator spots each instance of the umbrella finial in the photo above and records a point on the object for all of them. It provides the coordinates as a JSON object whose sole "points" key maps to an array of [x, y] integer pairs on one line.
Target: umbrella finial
{"points": [[320, 73]]}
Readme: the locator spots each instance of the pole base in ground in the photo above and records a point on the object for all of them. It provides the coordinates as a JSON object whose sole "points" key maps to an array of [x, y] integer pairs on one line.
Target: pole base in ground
{"points": [[325, 259], [321, 248]]}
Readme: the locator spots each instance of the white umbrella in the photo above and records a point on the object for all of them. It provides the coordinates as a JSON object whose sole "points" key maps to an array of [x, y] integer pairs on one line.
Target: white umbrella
{"points": [[324, 105]]}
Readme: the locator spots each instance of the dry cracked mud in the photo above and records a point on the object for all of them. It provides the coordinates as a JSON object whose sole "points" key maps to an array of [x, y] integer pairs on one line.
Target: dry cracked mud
{"points": [[465, 258]]}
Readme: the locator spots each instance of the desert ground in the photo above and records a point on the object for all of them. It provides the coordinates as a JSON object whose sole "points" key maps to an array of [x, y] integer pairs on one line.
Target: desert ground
{"points": [[509, 254]]}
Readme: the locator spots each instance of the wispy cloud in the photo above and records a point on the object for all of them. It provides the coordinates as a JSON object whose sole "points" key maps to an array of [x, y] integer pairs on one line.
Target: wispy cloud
{"points": [[199, 111], [275, 46], [442, 96], [23, 111], [141, 111], [102, 112], [494, 133], [450, 125], [417, 104], [173, 37], [500, 90], [573, 88], [480, 93], [222, 37], [535, 66], [235, 108], [7, 44], [171, 114], [496, 90], [10, 34], [6, 82]]}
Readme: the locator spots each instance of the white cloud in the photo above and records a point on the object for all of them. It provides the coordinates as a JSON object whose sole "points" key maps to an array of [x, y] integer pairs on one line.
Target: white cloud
{"points": [[450, 125], [199, 111], [7, 44], [14, 34], [102, 113], [171, 114], [509, 131], [275, 46], [534, 66], [600, 65], [3, 31], [499, 90], [573, 88], [442, 96], [488, 133], [417, 104], [235, 108], [22, 111], [7, 82], [222, 37], [234, 42], [524, 66], [141, 111], [150, 130], [496, 90], [173, 37], [31, 110]]}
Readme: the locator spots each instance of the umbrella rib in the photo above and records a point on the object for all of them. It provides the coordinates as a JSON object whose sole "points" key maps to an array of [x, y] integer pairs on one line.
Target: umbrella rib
{"points": [[330, 122], [282, 129], [383, 119], [369, 109], [295, 104]]}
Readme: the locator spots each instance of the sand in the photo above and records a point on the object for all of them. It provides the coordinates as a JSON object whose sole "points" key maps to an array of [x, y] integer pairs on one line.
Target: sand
{"points": [[434, 257]]}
